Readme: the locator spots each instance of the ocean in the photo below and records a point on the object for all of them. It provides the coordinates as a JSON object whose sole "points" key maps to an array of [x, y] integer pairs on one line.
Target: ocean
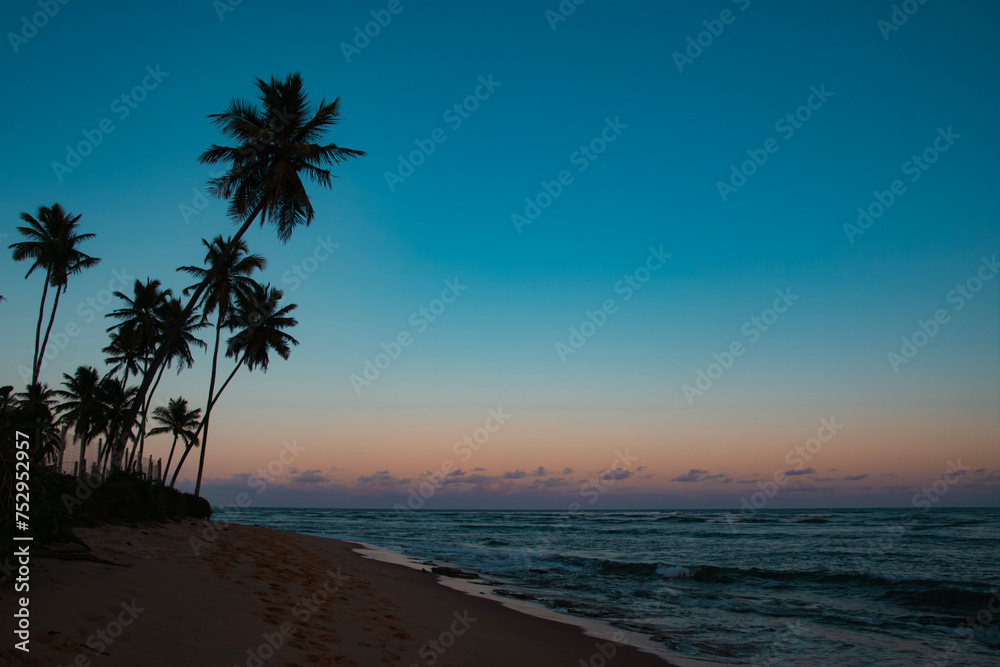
{"points": [[780, 587]]}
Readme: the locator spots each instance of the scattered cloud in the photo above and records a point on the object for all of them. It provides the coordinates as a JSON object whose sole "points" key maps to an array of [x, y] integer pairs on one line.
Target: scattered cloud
{"points": [[856, 478], [692, 475], [804, 471], [540, 472], [567, 471], [382, 478], [310, 477], [698, 475], [516, 474]]}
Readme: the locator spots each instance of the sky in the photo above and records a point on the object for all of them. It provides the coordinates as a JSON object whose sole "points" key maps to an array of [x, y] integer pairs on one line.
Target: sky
{"points": [[652, 255]]}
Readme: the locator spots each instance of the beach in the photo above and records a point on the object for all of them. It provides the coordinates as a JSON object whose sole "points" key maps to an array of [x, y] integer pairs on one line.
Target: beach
{"points": [[251, 596]]}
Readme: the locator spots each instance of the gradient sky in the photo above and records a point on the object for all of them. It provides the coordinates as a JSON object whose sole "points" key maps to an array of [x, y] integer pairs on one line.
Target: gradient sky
{"points": [[887, 95]]}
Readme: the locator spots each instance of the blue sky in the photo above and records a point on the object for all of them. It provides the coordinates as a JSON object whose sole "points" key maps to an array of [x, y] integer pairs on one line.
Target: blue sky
{"points": [[554, 91]]}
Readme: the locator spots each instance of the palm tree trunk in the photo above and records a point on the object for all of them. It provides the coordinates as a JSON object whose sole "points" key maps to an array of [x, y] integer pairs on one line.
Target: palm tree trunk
{"points": [[161, 352], [204, 422], [180, 464], [48, 330], [169, 459], [211, 393], [38, 327], [145, 411]]}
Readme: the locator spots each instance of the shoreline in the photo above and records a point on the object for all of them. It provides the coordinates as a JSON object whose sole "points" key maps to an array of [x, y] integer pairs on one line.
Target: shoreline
{"points": [[256, 597]]}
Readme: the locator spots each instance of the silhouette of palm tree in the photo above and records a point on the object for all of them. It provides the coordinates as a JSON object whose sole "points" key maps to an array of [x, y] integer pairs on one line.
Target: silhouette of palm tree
{"points": [[227, 274], [52, 242], [177, 419], [276, 145], [260, 323], [82, 408]]}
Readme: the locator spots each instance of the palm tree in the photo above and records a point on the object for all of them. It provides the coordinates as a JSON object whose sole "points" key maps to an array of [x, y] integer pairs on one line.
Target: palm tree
{"points": [[36, 406], [276, 145], [52, 243], [176, 419], [168, 314], [116, 397], [227, 274], [82, 407], [260, 323], [140, 318]]}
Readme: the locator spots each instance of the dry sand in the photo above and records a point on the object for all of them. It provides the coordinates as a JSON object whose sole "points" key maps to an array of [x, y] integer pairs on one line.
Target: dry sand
{"points": [[161, 604]]}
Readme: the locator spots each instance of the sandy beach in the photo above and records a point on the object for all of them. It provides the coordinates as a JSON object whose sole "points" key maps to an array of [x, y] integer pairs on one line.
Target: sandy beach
{"points": [[253, 597]]}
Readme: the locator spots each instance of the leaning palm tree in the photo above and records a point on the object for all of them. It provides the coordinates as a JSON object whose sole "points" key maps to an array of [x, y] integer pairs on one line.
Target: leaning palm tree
{"points": [[168, 314], [52, 242], [177, 419], [141, 317], [277, 145], [227, 274], [259, 321]]}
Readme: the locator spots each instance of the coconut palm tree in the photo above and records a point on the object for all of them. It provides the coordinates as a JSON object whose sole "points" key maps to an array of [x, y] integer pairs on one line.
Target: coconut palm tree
{"points": [[168, 315], [82, 408], [277, 145], [260, 323], [141, 317], [52, 241], [227, 274], [177, 419], [36, 409]]}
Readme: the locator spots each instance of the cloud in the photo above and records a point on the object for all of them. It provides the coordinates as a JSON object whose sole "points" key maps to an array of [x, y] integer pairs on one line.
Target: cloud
{"points": [[825, 479], [698, 475], [310, 477], [382, 478], [616, 474], [692, 475], [540, 472], [804, 471], [456, 473], [516, 474], [640, 468], [855, 478], [567, 471], [478, 469]]}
